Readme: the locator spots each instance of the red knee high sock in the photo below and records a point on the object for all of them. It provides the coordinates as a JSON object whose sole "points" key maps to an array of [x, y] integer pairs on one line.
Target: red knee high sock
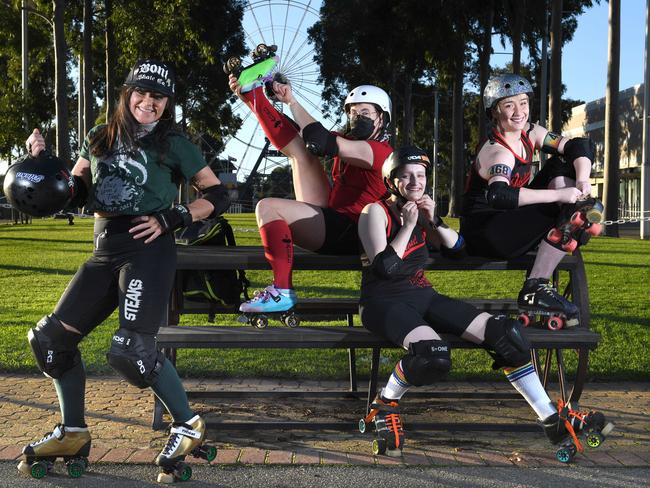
{"points": [[277, 127], [278, 250]]}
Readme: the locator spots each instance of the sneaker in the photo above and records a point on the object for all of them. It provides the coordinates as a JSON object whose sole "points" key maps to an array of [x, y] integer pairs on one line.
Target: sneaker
{"points": [[271, 299], [537, 295]]}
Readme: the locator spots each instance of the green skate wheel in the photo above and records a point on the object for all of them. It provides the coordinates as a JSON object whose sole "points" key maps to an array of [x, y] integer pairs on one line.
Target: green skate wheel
{"points": [[210, 453], [76, 468], [563, 455], [38, 470], [362, 426], [594, 439], [379, 446], [183, 472]]}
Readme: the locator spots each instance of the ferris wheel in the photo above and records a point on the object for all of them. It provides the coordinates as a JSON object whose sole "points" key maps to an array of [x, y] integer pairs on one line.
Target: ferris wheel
{"points": [[283, 24]]}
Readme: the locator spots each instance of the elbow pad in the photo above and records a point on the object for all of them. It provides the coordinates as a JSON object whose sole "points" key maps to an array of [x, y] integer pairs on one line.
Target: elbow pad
{"points": [[218, 196], [459, 250], [319, 140], [579, 147], [79, 193], [502, 196], [387, 264]]}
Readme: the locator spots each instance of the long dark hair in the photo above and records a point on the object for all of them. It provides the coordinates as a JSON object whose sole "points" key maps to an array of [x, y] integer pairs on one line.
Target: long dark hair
{"points": [[122, 126]]}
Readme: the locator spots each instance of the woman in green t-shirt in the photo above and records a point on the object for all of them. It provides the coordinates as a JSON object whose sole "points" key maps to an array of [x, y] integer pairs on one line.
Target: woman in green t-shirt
{"points": [[127, 175]]}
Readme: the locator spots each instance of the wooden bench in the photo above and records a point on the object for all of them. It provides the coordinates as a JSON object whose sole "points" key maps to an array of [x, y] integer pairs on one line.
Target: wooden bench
{"points": [[548, 346]]}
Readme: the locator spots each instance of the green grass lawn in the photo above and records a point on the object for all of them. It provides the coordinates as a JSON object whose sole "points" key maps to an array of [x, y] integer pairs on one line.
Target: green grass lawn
{"points": [[38, 260]]}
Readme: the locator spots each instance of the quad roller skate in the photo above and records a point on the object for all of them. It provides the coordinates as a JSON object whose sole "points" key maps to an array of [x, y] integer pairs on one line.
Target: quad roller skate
{"points": [[184, 438], [539, 298], [72, 444], [270, 302], [583, 223], [388, 427], [564, 427], [263, 71]]}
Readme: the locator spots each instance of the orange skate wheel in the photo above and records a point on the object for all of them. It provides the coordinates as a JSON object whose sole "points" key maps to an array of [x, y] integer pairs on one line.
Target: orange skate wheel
{"points": [[570, 246]]}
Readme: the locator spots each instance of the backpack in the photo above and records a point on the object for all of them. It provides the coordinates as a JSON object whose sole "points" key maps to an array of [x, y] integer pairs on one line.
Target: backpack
{"points": [[212, 286]]}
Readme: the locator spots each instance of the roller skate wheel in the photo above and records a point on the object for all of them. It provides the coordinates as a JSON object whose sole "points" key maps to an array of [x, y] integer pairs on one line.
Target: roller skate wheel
{"points": [[210, 453], [183, 471], [231, 65], [595, 229], [564, 454], [38, 469], [362, 426], [577, 220], [379, 446], [166, 478], [570, 245], [594, 439], [594, 215], [524, 319], [290, 320], [75, 468], [554, 235], [259, 321], [555, 322]]}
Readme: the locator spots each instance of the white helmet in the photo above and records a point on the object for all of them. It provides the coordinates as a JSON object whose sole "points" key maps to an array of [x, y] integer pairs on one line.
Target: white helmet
{"points": [[369, 94]]}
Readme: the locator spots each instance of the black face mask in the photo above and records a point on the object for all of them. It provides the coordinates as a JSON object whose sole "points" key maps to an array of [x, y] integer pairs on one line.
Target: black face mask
{"points": [[361, 128]]}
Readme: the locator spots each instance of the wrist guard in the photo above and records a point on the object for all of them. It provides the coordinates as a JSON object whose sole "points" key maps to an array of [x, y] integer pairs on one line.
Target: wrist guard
{"points": [[218, 196], [173, 218], [319, 140], [79, 192]]}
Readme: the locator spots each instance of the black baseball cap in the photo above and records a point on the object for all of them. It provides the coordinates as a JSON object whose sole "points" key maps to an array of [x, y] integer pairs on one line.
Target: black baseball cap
{"points": [[153, 75]]}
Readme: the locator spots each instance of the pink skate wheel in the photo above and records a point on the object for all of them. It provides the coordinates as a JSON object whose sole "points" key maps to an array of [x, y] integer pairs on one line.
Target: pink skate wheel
{"points": [[555, 322], [524, 319]]}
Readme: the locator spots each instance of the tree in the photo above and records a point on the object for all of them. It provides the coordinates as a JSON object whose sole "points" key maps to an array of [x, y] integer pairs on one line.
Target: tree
{"points": [[60, 67], [88, 94], [611, 193]]}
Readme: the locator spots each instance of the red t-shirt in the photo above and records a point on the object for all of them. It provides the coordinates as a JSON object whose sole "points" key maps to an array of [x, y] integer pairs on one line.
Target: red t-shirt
{"points": [[353, 187]]}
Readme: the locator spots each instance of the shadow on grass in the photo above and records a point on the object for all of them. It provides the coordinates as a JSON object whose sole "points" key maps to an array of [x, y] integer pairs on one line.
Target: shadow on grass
{"points": [[34, 269], [642, 321]]}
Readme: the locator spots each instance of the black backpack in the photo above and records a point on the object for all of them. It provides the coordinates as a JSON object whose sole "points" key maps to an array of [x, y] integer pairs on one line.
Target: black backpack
{"points": [[212, 286]]}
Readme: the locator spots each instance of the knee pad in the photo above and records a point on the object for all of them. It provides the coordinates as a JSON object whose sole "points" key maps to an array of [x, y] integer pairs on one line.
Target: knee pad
{"points": [[506, 343], [135, 357], [426, 362], [54, 347]]}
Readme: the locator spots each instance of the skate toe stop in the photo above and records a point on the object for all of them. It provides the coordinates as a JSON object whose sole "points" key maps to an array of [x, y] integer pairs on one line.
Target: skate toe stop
{"points": [[396, 453], [166, 478], [607, 429], [24, 468]]}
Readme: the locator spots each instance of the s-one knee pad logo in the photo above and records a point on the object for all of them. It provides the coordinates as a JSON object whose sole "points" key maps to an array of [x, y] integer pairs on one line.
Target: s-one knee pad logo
{"points": [[132, 299]]}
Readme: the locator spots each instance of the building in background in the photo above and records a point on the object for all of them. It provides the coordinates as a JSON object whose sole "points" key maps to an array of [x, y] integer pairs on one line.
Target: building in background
{"points": [[588, 120]]}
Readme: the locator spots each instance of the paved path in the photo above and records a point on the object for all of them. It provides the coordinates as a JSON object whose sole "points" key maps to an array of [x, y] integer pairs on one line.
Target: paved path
{"points": [[119, 418]]}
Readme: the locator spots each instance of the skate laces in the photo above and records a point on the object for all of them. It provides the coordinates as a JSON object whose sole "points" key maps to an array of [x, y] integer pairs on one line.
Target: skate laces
{"points": [[567, 415], [176, 434], [58, 432], [264, 295], [388, 414]]}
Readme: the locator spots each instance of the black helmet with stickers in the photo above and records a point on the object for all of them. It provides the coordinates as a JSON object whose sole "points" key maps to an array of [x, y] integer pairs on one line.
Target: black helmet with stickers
{"points": [[150, 74], [503, 86], [400, 157], [39, 186]]}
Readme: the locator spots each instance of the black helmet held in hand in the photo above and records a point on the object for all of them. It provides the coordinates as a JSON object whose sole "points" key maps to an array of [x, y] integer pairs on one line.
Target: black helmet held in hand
{"points": [[39, 186]]}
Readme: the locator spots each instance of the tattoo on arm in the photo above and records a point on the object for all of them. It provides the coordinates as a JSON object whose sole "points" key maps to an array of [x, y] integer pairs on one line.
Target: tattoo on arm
{"points": [[551, 143], [500, 169]]}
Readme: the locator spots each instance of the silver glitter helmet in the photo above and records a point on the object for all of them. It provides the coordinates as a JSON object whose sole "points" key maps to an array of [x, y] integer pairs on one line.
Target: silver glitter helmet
{"points": [[504, 86]]}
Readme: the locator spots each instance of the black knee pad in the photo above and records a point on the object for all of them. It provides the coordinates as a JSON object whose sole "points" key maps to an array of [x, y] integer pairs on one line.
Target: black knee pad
{"points": [[54, 347], [506, 343], [426, 362], [135, 357]]}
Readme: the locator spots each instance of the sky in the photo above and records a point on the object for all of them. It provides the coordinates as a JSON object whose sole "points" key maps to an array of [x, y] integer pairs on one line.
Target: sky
{"points": [[584, 58]]}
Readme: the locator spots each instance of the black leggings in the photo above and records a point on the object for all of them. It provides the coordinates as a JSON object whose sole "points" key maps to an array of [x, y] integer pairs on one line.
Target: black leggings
{"points": [[123, 273], [395, 316]]}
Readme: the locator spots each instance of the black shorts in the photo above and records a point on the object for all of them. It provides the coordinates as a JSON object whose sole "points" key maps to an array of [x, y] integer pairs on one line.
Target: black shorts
{"points": [[341, 236], [123, 273], [510, 233], [395, 316]]}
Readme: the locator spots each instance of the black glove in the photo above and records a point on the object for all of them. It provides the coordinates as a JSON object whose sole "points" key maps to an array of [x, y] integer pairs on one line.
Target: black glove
{"points": [[173, 218]]}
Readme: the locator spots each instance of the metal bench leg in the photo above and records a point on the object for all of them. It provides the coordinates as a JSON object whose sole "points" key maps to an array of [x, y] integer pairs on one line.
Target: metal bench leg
{"points": [[374, 372], [560, 374], [352, 360]]}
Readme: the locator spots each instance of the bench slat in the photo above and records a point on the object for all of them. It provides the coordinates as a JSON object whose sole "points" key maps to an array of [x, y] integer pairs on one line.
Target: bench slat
{"points": [[222, 337]]}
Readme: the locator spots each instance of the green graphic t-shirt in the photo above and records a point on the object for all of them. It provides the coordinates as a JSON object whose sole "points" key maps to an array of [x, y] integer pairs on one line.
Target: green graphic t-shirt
{"points": [[135, 182]]}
